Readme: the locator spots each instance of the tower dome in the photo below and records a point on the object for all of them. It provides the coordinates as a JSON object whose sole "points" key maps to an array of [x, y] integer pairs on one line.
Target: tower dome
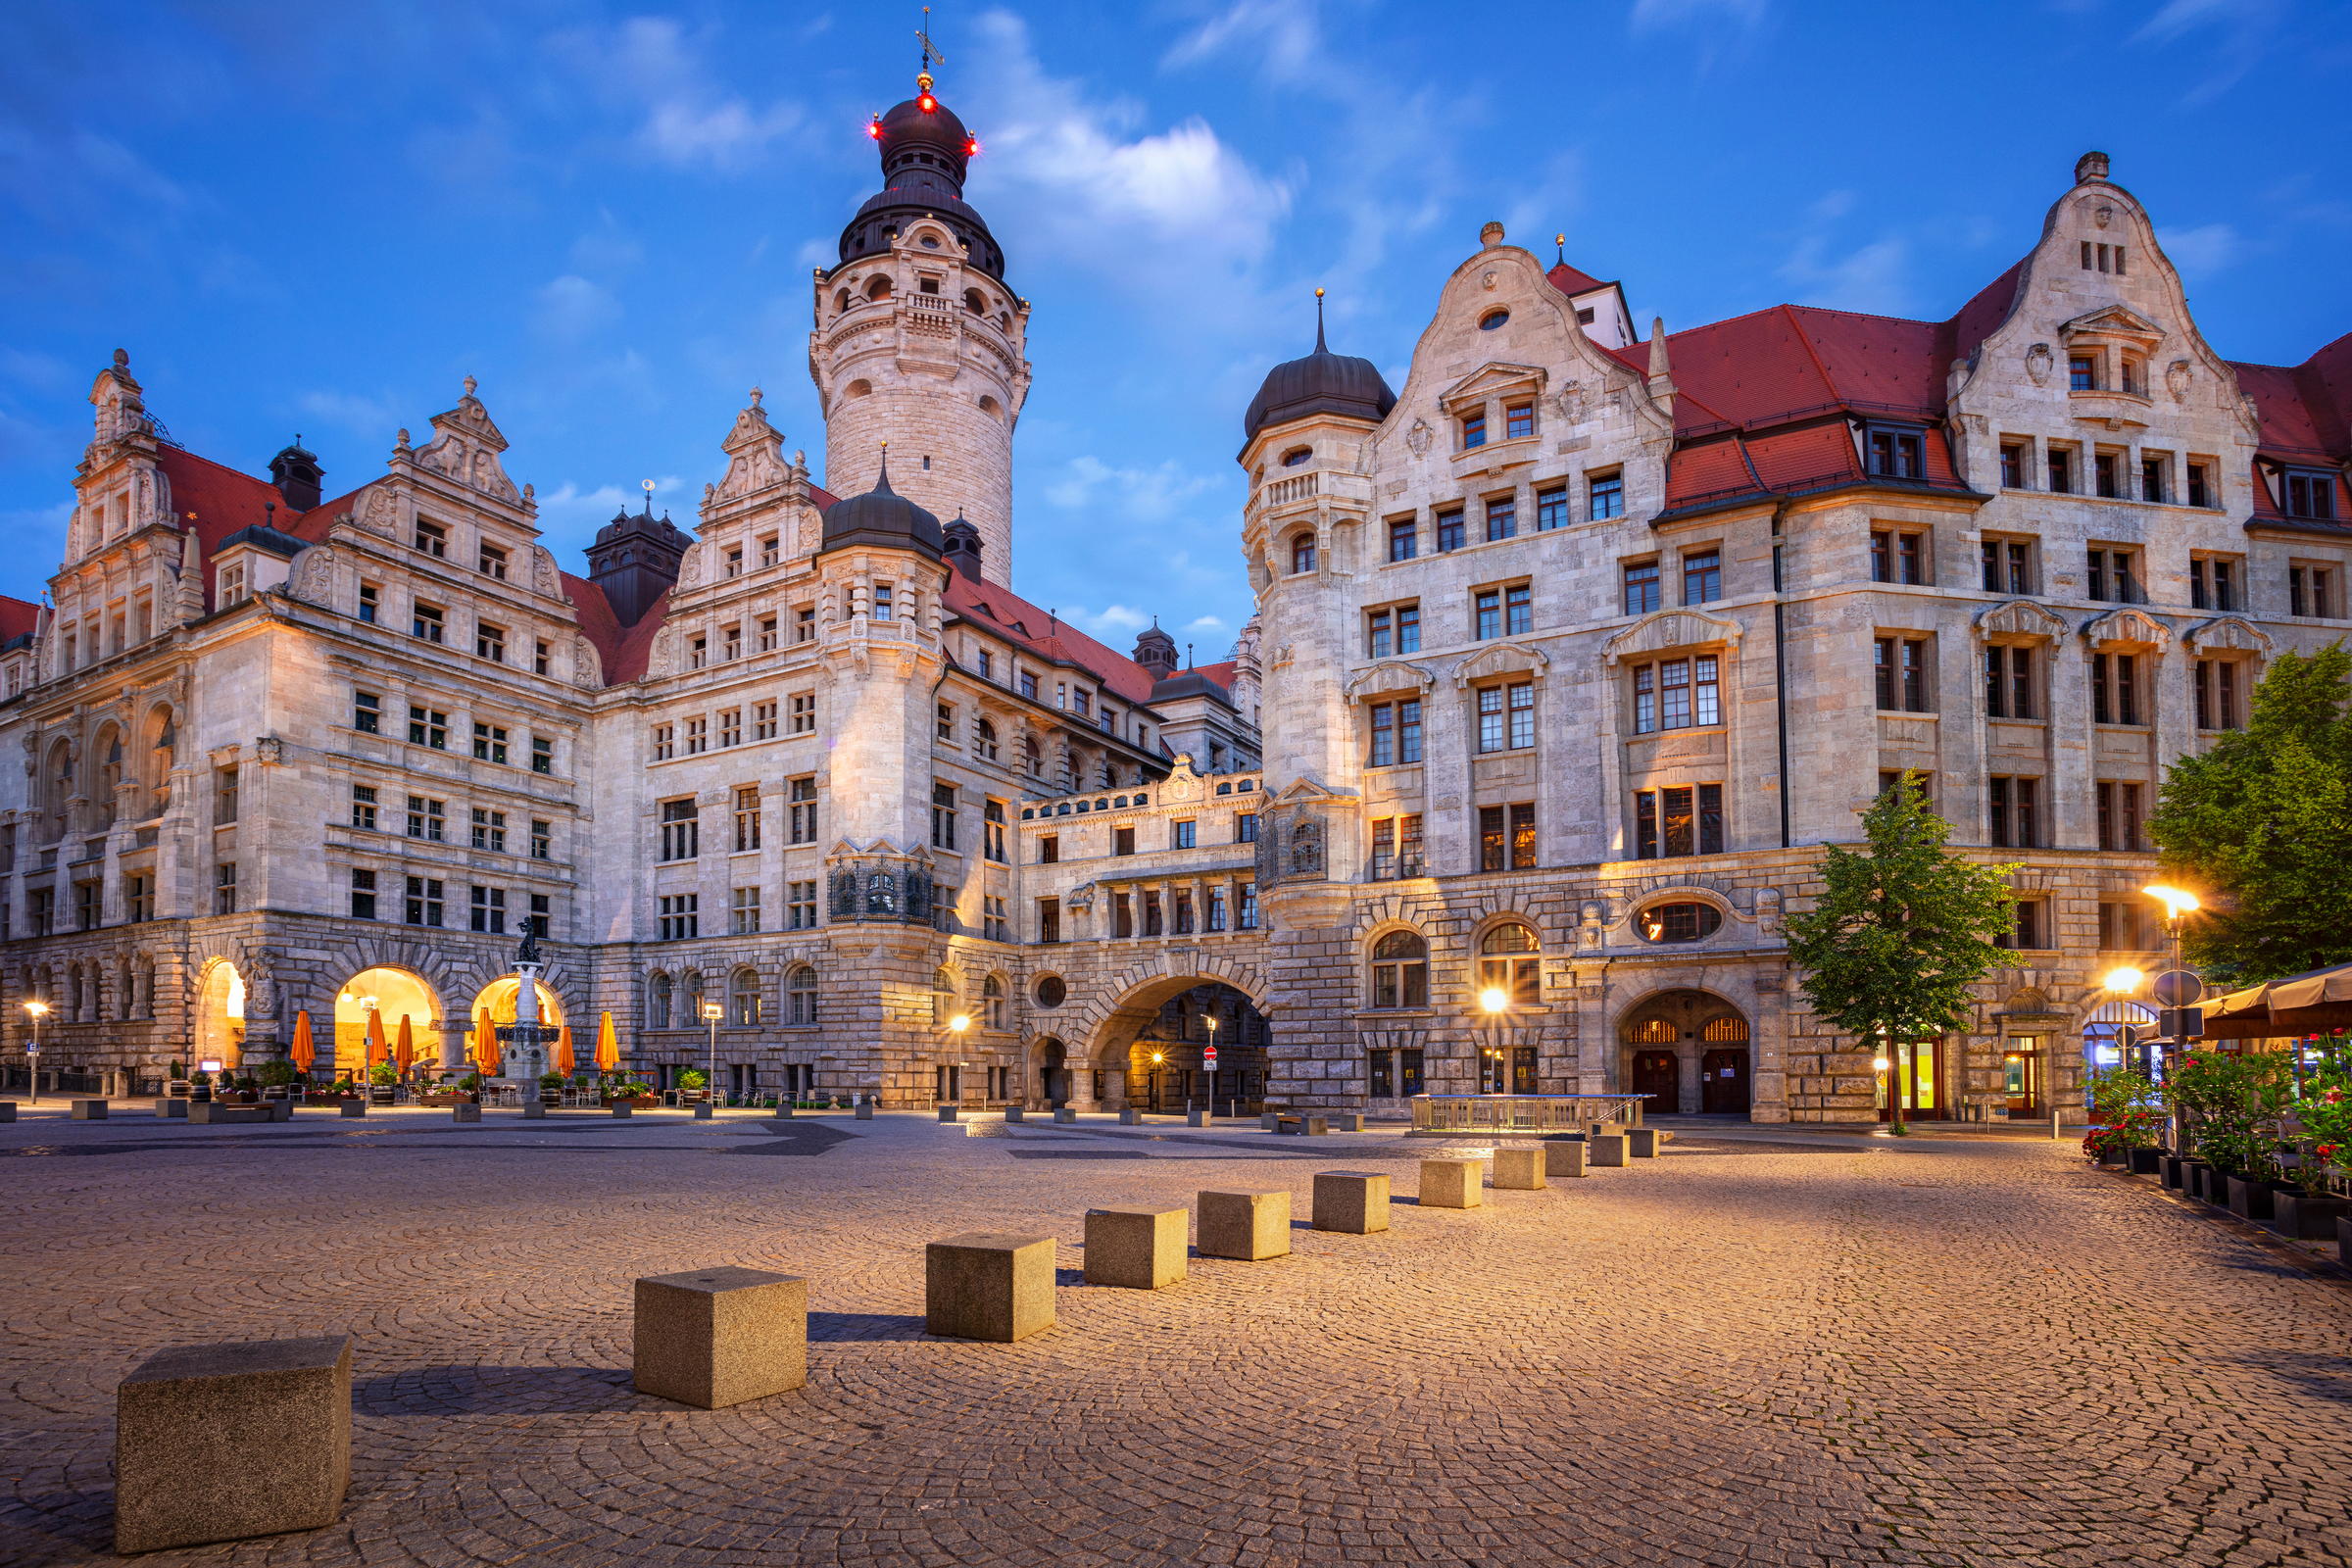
{"points": [[925, 151], [1323, 382], [882, 518]]}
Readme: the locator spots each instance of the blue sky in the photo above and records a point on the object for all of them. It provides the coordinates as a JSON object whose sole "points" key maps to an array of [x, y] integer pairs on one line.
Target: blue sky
{"points": [[320, 219]]}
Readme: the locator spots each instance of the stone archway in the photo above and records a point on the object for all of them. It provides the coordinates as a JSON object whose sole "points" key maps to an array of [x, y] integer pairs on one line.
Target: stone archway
{"points": [[394, 994], [219, 1033], [1147, 1033], [1689, 1050], [1048, 1077]]}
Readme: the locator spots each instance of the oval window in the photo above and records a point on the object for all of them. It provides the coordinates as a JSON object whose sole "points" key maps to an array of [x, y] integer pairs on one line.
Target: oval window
{"points": [[930, 241], [1493, 320], [1050, 992], [1678, 922]]}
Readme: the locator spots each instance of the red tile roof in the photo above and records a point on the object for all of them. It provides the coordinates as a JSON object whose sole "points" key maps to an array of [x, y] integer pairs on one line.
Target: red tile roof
{"points": [[998, 607], [225, 501], [1223, 674], [1568, 280], [19, 618]]}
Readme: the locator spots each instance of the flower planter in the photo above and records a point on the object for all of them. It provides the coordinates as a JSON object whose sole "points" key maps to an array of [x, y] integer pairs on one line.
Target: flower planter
{"points": [[2343, 1239], [2250, 1197], [2145, 1161], [2307, 1218], [379, 1094]]}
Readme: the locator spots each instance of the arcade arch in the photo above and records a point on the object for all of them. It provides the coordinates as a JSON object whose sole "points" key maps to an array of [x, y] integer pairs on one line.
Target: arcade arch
{"points": [[1688, 1051], [220, 1017], [393, 994]]}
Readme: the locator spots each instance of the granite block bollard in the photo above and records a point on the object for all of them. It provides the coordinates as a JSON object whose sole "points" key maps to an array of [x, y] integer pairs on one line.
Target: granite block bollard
{"points": [[534, 1109], [950, 1113], [1269, 1122], [88, 1110], [275, 1413], [1131, 1117], [1641, 1142], [282, 1110], [1347, 1121], [8, 1111], [1193, 1115], [1353, 1203], [716, 1336], [784, 1111], [1519, 1170], [1136, 1249], [1064, 1114], [466, 1115], [1452, 1183], [1250, 1225], [865, 1110], [988, 1287], [624, 1109], [353, 1108], [168, 1107], [703, 1110], [1606, 1149], [1012, 1114], [1564, 1156]]}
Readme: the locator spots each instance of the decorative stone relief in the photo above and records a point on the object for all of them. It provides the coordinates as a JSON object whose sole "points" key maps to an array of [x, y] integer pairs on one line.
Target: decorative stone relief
{"points": [[1572, 402], [2177, 376], [2038, 361], [381, 515], [690, 566], [466, 449], [544, 577], [1669, 628], [2019, 617], [269, 750], [584, 672], [755, 454], [1399, 675], [313, 580], [1508, 659], [2228, 631], [2136, 627], [1419, 437]]}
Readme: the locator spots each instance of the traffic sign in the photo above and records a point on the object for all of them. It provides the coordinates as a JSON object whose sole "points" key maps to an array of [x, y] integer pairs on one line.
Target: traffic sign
{"points": [[1209, 1056], [2178, 988]]}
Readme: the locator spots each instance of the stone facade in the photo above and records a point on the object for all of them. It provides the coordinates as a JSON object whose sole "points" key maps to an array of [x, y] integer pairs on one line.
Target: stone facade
{"points": [[854, 794]]}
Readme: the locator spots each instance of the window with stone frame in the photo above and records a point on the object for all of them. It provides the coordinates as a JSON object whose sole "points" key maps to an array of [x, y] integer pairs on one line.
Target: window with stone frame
{"points": [[1398, 971], [800, 997], [2216, 686], [1677, 694], [803, 807], [1678, 820], [1510, 960], [747, 818]]}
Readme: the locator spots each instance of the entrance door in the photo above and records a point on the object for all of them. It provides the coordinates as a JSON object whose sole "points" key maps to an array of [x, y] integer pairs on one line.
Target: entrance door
{"points": [[1657, 1075], [1723, 1083], [2021, 1076], [1522, 1069], [1914, 1083]]}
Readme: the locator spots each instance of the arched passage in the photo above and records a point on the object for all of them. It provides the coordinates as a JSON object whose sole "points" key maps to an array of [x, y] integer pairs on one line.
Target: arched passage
{"points": [[1048, 1077], [394, 995], [220, 1017], [499, 999], [1688, 1051], [1150, 1050]]}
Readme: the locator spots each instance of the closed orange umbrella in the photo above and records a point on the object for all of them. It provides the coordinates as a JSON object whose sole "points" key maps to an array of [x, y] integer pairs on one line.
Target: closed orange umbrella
{"points": [[485, 1044], [376, 1037], [304, 1052], [607, 1045], [405, 1052], [563, 1052]]}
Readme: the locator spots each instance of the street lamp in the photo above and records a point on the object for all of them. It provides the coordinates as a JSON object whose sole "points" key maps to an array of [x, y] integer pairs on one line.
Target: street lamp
{"points": [[711, 1013], [1156, 1058], [958, 1025], [33, 1052], [1880, 1066], [1209, 1100], [1495, 1001]]}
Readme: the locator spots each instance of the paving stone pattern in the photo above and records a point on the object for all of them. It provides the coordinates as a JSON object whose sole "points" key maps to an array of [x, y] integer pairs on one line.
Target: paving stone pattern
{"points": [[1749, 1350]]}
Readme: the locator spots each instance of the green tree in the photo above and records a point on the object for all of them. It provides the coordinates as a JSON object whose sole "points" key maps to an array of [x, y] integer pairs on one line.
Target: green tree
{"points": [[2261, 827], [1900, 934]]}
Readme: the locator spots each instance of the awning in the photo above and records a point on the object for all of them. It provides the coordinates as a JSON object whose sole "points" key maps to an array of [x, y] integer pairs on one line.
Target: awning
{"points": [[2311, 1003]]}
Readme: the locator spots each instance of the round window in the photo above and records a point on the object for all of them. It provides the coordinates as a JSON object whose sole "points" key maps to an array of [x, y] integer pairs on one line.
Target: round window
{"points": [[1678, 922], [1493, 320], [1050, 992]]}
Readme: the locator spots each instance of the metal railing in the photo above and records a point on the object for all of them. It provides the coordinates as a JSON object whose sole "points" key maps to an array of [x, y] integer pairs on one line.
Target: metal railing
{"points": [[1545, 1114]]}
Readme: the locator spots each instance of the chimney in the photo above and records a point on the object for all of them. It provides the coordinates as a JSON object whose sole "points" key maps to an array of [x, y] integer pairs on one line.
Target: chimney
{"points": [[963, 546]]}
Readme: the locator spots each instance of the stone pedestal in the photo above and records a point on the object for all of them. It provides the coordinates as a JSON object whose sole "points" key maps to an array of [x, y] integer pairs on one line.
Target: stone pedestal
{"points": [[988, 1287], [703, 1110], [8, 1111], [1131, 1117], [1250, 1225], [1452, 1183], [624, 1110], [1347, 1121], [1064, 1114], [865, 1110], [950, 1113], [1193, 1115], [166, 1108], [716, 1337], [1354, 1202], [1519, 1170], [784, 1108], [1012, 1114], [464, 1115], [353, 1108], [534, 1109], [1269, 1122], [230, 1441], [1606, 1149], [1135, 1249], [1564, 1156], [88, 1110], [1641, 1142]]}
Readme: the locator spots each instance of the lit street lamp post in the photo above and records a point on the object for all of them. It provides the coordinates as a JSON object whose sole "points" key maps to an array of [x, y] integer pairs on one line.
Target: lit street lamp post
{"points": [[711, 1013], [1495, 1001], [956, 1026], [1879, 1066], [33, 1052], [2178, 988]]}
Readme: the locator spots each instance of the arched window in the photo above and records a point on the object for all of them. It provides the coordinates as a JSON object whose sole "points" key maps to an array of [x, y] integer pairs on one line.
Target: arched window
{"points": [[1296, 456], [984, 739], [799, 995], [878, 289], [841, 300], [1678, 922], [1303, 554], [146, 974], [1032, 758], [1306, 849], [1501, 968], [973, 303], [992, 1001], [657, 1001], [743, 998], [943, 995], [690, 1000], [1400, 971]]}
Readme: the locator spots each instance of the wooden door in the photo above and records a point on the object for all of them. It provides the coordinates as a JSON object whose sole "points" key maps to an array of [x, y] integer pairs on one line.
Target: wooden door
{"points": [[1658, 1075], [1723, 1083]]}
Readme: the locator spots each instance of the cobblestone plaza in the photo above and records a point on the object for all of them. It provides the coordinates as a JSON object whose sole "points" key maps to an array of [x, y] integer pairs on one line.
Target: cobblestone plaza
{"points": [[1769, 1346]]}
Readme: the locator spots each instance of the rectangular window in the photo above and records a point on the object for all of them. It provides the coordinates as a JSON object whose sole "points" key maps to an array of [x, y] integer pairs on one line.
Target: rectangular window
{"points": [[943, 816], [698, 653], [698, 736], [730, 642], [1122, 841], [224, 893], [1898, 454], [423, 901], [369, 597], [428, 728], [1493, 838], [2199, 598], [2310, 493], [992, 831], [1881, 557], [432, 538], [2026, 926], [1049, 849], [1518, 609], [2103, 478], [666, 742], [225, 796], [1899, 666], [743, 915], [1378, 641], [1519, 421], [1384, 735], [1503, 519], [1489, 719], [803, 625], [1523, 836], [2083, 370], [425, 819], [542, 906], [490, 642], [1488, 619], [1122, 915], [1474, 430], [1703, 579], [2013, 467], [2119, 817], [1912, 559], [538, 657], [804, 811], [680, 916], [1185, 835], [363, 894], [2062, 471], [489, 909], [1384, 847], [490, 830], [543, 755], [489, 742], [2197, 492], [2124, 927], [735, 561], [2151, 478], [1409, 629], [425, 621], [1606, 493], [542, 838], [681, 830], [730, 726], [1244, 827], [804, 714], [1404, 537], [1552, 510], [1410, 860], [1449, 531], [492, 562], [882, 602], [747, 818], [763, 721], [1678, 822], [799, 905]]}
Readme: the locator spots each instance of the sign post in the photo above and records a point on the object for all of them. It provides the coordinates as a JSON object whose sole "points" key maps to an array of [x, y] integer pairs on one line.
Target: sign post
{"points": [[1208, 1062]]}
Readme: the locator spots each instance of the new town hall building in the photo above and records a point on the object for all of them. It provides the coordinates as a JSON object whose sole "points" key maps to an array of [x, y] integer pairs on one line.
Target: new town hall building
{"points": [[1568, 656]]}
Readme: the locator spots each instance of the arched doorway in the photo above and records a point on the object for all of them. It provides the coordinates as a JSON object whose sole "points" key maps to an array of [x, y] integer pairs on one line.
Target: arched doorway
{"points": [[393, 994], [1688, 1052], [1051, 1072], [2107, 1044], [220, 1017], [1164, 1065]]}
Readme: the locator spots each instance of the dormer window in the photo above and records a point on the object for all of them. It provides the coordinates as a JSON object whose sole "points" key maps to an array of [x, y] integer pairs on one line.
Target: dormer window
{"points": [[432, 538], [232, 590], [493, 562], [2310, 493], [2083, 371], [882, 605], [1897, 454], [1296, 456]]}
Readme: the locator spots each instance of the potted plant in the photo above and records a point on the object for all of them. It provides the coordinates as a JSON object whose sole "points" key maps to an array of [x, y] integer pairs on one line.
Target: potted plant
{"points": [[469, 1089], [550, 1088], [2127, 1118], [2308, 1210], [178, 1080], [276, 1079], [691, 1084], [382, 1079]]}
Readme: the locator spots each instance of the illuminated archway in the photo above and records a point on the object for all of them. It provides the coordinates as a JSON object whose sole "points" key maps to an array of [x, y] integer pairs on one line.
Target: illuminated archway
{"points": [[500, 997], [393, 994], [220, 1017]]}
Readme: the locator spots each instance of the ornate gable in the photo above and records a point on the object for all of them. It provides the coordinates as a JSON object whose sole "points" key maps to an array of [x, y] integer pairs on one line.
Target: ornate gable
{"points": [[1493, 377], [1665, 629], [2229, 632], [755, 454], [2113, 321], [2131, 626], [2019, 617], [1387, 676], [464, 449], [1504, 659]]}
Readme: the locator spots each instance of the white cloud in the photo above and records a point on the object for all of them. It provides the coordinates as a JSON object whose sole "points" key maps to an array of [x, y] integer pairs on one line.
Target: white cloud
{"points": [[2202, 251], [2245, 28], [1545, 205], [1284, 36], [1112, 623], [364, 416], [1205, 623], [36, 535], [571, 308], [653, 65], [1875, 277], [1130, 495]]}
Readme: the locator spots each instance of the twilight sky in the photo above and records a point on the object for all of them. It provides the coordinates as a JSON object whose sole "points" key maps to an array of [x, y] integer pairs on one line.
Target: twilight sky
{"points": [[313, 218]]}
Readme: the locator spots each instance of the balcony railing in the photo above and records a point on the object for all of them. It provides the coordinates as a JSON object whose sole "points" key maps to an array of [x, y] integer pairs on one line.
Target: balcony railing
{"points": [[1523, 1113]]}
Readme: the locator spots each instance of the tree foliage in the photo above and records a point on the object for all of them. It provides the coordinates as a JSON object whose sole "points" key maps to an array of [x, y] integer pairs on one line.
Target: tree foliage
{"points": [[2261, 827], [1900, 934]]}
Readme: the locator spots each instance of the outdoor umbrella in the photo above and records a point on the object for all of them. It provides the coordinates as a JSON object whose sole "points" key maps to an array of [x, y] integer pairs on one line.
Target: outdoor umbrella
{"points": [[405, 1052], [376, 1037], [485, 1044], [563, 1052], [607, 1045], [2311, 1003], [304, 1052]]}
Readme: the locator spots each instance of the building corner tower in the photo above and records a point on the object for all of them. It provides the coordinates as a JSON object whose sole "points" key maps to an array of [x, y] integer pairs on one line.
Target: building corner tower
{"points": [[918, 341]]}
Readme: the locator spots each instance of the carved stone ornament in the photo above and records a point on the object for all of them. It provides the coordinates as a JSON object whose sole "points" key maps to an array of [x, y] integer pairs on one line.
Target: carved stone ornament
{"points": [[2135, 628], [2019, 617], [269, 750], [2104, 216], [2229, 632], [584, 672], [1666, 629], [690, 567], [2177, 376], [466, 449], [2038, 361], [1504, 658], [543, 578], [1572, 402], [382, 513], [1390, 675], [1419, 437], [755, 454], [1281, 657], [1489, 278], [312, 579]]}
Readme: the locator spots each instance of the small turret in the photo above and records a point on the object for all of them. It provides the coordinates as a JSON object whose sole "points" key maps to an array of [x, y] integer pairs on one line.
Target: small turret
{"points": [[1156, 650], [296, 473]]}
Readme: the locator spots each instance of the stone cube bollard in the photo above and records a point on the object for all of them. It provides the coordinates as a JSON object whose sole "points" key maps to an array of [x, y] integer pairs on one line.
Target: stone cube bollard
{"points": [[1347, 1121], [8, 1111], [623, 1107], [1012, 1114], [353, 1108], [1193, 1115], [282, 1110], [168, 1107], [1519, 1170], [988, 1287], [950, 1113], [784, 1109], [704, 1110], [1606, 1149], [1564, 1156], [716, 1337], [1354, 1202], [534, 1109], [275, 1413], [206, 1111], [1131, 1117], [1641, 1142], [1135, 1249], [464, 1114], [1315, 1126], [88, 1110], [1065, 1113], [1269, 1122], [1452, 1183], [865, 1110], [1250, 1225]]}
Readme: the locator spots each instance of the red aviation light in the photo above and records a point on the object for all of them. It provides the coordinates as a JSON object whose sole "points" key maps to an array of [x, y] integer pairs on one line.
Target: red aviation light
{"points": [[874, 127], [971, 147], [926, 103]]}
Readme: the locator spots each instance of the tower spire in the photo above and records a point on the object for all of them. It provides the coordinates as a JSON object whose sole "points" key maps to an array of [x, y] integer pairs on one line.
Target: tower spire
{"points": [[1319, 347]]}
